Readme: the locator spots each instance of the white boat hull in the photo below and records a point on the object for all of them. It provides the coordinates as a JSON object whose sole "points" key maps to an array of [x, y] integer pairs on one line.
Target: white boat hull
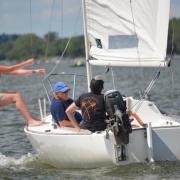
{"points": [[67, 148], [72, 150], [165, 144], [96, 150]]}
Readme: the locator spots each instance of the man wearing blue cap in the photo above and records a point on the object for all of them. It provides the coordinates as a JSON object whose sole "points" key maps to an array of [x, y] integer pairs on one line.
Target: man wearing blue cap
{"points": [[59, 105]]}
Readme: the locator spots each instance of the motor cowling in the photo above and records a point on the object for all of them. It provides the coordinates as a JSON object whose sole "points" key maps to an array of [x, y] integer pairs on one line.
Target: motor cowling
{"points": [[119, 119]]}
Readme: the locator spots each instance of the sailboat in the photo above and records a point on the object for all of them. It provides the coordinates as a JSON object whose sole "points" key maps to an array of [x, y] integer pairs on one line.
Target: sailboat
{"points": [[126, 33]]}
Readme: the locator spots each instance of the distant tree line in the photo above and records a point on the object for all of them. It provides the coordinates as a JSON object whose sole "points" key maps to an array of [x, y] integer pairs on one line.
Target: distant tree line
{"points": [[18, 47]]}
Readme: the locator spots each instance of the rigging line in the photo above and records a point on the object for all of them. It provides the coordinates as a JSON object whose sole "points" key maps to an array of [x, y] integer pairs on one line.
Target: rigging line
{"points": [[46, 77], [147, 90], [62, 14], [113, 81], [50, 21], [138, 53], [31, 36], [62, 55], [172, 53], [134, 26], [172, 41], [59, 5], [172, 77]]}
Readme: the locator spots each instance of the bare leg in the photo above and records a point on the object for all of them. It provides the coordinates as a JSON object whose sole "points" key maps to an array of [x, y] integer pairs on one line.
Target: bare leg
{"points": [[10, 98]]}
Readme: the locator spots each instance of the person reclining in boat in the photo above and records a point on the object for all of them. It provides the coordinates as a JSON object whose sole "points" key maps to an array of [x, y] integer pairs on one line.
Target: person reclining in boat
{"points": [[59, 104], [7, 98], [92, 106]]}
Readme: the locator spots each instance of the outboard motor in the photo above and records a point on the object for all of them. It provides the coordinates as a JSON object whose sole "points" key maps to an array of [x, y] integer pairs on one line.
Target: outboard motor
{"points": [[119, 119]]}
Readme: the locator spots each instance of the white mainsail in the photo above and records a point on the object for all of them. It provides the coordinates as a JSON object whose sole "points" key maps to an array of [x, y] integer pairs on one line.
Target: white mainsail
{"points": [[127, 32]]}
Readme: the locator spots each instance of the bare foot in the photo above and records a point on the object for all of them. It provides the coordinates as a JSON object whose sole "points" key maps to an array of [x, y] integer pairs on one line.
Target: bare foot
{"points": [[34, 122]]}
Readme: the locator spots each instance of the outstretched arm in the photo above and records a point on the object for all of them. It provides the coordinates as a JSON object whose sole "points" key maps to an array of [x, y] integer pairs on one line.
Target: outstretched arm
{"points": [[8, 69], [69, 111], [27, 72]]}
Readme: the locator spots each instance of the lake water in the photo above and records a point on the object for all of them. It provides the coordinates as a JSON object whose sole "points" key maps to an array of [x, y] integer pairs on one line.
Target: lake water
{"points": [[19, 161]]}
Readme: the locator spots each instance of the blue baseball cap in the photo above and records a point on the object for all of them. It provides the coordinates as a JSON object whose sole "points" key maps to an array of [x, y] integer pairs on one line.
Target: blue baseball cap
{"points": [[60, 87]]}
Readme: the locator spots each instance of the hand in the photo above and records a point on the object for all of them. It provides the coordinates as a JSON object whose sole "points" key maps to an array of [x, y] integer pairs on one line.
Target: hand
{"points": [[29, 62], [78, 129], [40, 71]]}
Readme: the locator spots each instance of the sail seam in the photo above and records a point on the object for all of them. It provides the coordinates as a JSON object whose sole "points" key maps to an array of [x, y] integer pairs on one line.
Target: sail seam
{"points": [[138, 54]]}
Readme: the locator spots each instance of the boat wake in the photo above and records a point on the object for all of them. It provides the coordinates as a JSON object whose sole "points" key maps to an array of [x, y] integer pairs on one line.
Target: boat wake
{"points": [[19, 163]]}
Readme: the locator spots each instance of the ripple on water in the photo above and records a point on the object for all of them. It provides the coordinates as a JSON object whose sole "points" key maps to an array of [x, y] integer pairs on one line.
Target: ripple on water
{"points": [[17, 163]]}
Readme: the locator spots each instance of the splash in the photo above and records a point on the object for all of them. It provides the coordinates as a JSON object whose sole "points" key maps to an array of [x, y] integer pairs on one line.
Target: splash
{"points": [[10, 162]]}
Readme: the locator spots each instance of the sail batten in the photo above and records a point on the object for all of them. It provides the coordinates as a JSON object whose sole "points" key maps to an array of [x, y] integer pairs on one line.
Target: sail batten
{"points": [[128, 29]]}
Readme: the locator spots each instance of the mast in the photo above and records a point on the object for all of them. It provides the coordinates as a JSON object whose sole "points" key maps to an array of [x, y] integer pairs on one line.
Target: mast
{"points": [[88, 70]]}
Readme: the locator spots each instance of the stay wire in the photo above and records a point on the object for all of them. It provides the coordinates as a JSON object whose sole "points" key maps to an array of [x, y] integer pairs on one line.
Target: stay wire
{"points": [[62, 15], [137, 49], [46, 77], [31, 35], [135, 31], [172, 40], [64, 51], [147, 90], [172, 53], [49, 27]]}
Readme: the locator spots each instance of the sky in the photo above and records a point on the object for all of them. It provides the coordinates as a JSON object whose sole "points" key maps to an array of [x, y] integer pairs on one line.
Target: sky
{"points": [[42, 16]]}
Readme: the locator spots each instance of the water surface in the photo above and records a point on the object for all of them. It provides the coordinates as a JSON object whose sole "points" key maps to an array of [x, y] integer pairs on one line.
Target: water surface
{"points": [[19, 161]]}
